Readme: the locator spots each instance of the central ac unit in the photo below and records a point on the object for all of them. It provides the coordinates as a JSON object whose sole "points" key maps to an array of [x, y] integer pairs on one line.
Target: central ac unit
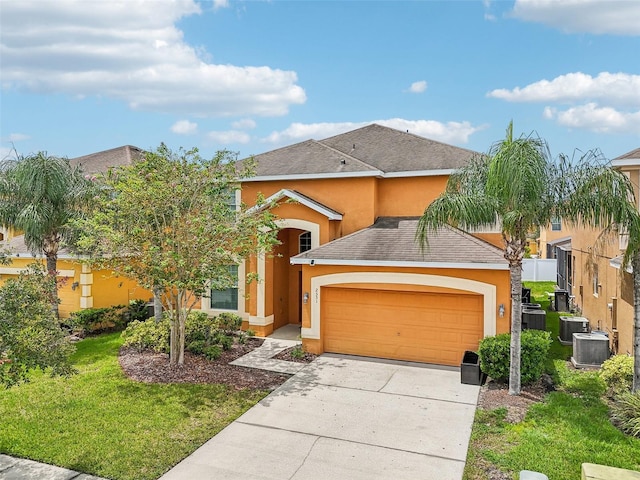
{"points": [[589, 349], [571, 325]]}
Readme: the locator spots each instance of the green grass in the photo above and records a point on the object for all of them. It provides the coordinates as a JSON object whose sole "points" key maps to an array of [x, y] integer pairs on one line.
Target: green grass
{"points": [[570, 427], [102, 423]]}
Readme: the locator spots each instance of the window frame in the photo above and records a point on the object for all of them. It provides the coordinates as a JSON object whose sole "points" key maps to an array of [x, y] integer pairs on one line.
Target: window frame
{"points": [[235, 287], [306, 240]]}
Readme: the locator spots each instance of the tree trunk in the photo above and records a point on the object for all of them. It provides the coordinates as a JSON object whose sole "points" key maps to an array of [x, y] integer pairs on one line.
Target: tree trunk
{"points": [[635, 264], [157, 304], [175, 328], [182, 315], [516, 327], [52, 270]]}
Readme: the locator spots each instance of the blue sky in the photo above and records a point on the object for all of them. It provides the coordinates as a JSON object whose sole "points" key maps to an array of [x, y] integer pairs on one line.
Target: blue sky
{"points": [[83, 76]]}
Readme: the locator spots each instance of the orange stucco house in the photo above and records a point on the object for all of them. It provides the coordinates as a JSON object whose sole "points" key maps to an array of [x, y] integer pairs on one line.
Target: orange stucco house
{"points": [[348, 269]]}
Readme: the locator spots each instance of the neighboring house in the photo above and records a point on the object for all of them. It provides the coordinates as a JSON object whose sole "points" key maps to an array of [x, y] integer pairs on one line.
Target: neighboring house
{"points": [[601, 289], [348, 269], [80, 287]]}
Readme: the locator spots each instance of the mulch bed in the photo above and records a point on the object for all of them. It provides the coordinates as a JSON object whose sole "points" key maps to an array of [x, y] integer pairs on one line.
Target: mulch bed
{"points": [[495, 395], [151, 367], [289, 356]]}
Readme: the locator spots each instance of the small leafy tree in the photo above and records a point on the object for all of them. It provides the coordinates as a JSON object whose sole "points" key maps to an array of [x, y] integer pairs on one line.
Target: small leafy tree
{"points": [[168, 221], [30, 335]]}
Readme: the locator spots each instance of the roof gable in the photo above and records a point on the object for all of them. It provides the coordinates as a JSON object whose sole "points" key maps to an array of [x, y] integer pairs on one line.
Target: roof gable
{"points": [[101, 162], [308, 202]]}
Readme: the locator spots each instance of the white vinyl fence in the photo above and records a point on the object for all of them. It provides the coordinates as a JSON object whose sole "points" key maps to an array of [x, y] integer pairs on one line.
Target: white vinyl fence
{"points": [[539, 269]]}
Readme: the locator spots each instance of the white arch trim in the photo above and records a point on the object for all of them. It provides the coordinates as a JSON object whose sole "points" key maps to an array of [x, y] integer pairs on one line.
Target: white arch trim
{"points": [[487, 290], [314, 228]]}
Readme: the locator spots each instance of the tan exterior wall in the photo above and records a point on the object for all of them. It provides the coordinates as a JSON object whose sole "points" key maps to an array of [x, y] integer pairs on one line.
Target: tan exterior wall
{"points": [[547, 235], [610, 306]]}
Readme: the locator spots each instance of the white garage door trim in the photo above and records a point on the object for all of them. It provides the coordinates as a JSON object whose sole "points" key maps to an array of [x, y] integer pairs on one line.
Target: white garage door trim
{"points": [[487, 290]]}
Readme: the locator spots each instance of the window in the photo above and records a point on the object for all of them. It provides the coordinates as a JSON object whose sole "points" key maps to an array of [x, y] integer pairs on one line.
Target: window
{"points": [[556, 224], [304, 242], [226, 299]]}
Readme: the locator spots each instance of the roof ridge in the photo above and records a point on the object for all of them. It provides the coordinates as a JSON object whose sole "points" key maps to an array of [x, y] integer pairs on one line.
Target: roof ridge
{"points": [[361, 162]]}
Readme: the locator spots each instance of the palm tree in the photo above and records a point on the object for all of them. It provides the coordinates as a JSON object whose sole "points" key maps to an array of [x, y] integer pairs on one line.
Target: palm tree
{"points": [[39, 196], [517, 186]]}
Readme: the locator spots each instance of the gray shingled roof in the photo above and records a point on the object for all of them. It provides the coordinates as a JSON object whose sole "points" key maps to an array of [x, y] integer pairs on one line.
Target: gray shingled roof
{"points": [[372, 150], [391, 150], [100, 162], [308, 158], [632, 155], [17, 247], [392, 239]]}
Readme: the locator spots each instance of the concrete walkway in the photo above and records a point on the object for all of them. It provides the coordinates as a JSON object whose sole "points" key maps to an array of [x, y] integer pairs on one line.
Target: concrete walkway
{"points": [[20, 469], [346, 417]]}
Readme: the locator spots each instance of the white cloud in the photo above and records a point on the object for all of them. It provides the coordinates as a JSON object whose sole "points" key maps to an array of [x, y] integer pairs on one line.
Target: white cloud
{"points": [[490, 17], [597, 119], [618, 17], [450, 132], [244, 124], [17, 137], [220, 4], [229, 136], [611, 88], [418, 87], [184, 127], [132, 51]]}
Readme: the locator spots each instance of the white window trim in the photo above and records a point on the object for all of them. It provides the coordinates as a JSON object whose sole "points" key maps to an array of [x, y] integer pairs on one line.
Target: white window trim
{"points": [[206, 301]]}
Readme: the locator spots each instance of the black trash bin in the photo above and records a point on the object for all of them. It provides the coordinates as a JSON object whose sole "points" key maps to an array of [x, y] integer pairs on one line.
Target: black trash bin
{"points": [[470, 373]]}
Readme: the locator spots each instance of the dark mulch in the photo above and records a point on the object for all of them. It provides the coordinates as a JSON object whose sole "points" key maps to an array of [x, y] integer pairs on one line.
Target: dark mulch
{"points": [[288, 355], [151, 367], [496, 394]]}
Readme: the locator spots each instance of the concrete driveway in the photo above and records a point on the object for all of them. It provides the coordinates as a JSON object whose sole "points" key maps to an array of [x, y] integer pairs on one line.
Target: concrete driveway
{"points": [[346, 418]]}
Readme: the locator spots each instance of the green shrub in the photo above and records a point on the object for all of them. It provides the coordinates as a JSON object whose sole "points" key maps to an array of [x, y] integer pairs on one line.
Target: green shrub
{"points": [[229, 322], [494, 355], [137, 310], [197, 347], [98, 320], [213, 352], [625, 413], [201, 335], [225, 341], [199, 326], [617, 373], [148, 335]]}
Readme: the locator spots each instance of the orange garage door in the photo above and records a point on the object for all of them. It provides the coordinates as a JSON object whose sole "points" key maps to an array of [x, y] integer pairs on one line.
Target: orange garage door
{"points": [[422, 327]]}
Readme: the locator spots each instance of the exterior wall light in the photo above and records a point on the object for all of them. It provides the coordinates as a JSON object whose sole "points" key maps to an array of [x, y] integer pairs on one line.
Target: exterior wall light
{"points": [[305, 297], [501, 310]]}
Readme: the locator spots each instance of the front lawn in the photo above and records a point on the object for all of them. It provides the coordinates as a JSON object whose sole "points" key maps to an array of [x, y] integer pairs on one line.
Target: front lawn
{"points": [[570, 427], [102, 423]]}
